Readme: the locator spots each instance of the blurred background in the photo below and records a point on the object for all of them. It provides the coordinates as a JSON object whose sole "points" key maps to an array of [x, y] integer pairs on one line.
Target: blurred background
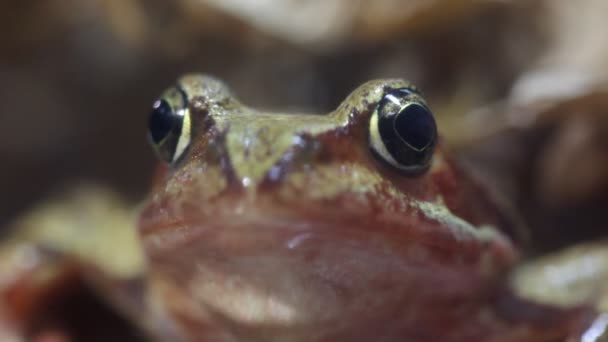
{"points": [[518, 87]]}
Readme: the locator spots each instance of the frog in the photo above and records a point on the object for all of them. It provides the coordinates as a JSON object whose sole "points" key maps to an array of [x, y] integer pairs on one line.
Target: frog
{"points": [[356, 225]]}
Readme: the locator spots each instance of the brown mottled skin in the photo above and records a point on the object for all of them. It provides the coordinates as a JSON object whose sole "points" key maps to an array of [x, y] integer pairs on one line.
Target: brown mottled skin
{"points": [[286, 227], [326, 242]]}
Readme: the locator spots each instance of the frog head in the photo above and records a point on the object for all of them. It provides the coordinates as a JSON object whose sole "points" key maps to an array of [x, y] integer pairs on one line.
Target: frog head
{"points": [[277, 220]]}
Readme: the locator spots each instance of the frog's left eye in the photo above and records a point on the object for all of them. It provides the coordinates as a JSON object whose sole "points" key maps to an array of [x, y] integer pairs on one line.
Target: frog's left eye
{"points": [[169, 127], [403, 131]]}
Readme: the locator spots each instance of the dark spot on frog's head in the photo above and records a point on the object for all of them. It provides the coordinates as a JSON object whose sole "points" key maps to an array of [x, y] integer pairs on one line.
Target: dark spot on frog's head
{"points": [[217, 148], [304, 151]]}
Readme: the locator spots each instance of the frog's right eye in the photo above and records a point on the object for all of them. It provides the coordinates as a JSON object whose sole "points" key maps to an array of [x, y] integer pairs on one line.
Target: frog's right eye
{"points": [[403, 131], [169, 129]]}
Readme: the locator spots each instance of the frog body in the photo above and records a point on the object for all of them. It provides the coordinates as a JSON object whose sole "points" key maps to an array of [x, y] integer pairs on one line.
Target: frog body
{"points": [[349, 226]]}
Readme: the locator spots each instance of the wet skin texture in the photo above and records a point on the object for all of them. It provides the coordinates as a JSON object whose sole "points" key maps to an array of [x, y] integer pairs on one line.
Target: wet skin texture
{"points": [[287, 227]]}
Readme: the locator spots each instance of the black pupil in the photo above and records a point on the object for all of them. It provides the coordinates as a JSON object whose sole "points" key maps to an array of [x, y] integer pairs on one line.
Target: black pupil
{"points": [[161, 121], [407, 129], [416, 126]]}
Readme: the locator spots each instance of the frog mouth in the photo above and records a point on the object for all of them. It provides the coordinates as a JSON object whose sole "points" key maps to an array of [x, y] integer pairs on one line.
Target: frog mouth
{"points": [[426, 226], [263, 270], [431, 238]]}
